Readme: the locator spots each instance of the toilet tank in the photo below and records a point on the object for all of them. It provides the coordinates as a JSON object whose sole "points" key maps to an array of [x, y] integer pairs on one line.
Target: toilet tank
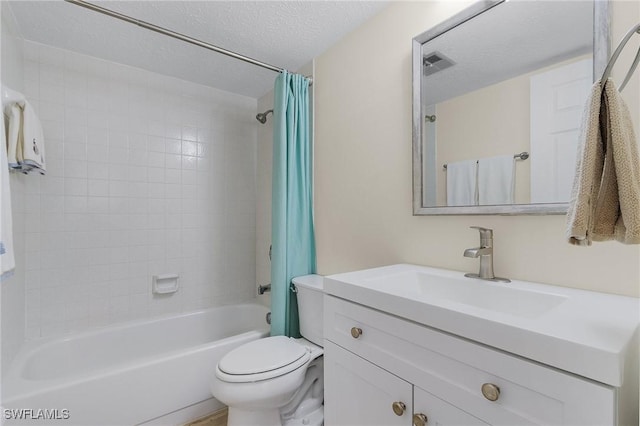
{"points": [[309, 290]]}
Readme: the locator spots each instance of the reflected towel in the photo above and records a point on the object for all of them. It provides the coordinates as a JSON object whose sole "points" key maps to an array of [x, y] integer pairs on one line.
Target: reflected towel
{"points": [[461, 183], [496, 180], [605, 199], [7, 259]]}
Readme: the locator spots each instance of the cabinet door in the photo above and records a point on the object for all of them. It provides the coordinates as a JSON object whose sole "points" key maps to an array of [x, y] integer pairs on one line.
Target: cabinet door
{"points": [[360, 393], [455, 370], [438, 412]]}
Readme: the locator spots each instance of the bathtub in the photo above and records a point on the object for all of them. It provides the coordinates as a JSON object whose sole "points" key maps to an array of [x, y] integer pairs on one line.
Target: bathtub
{"points": [[127, 374]]}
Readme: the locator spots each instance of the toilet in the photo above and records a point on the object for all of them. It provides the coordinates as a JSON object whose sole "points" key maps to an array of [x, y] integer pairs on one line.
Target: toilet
{"points": [[278, 381]]}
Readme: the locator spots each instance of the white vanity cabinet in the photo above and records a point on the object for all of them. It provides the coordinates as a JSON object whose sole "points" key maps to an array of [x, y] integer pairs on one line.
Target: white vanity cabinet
{"points": [[366, 394], [363, 393], [431, 410], [373, 360]]}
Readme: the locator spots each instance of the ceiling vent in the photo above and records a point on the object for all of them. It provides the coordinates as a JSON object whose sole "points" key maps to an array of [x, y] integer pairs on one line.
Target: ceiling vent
{"points": [[434, 62]]}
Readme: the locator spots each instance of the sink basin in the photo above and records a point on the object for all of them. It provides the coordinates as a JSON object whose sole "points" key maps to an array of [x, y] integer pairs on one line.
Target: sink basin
{"points": [[583, 332], [496, 297]]}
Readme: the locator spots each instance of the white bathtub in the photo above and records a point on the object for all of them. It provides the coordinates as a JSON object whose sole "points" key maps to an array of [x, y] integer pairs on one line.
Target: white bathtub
{"points": [[131, 373]]}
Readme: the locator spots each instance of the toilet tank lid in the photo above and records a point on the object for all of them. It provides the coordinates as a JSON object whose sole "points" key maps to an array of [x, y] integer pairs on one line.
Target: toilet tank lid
{"points": [[312, 281]]}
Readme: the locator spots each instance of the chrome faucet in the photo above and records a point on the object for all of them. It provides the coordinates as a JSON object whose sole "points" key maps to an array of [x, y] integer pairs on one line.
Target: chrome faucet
{"points": [[485, 253]]}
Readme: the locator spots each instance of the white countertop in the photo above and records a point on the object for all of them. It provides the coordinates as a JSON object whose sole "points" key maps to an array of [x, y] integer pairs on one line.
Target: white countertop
{"points": [[587, 333]]}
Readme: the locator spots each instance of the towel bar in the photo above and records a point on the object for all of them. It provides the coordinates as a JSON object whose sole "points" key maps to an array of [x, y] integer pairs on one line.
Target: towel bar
{"points": [[522, 156]]}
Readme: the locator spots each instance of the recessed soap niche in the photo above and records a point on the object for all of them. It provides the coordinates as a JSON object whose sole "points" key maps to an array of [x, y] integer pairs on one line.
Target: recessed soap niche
{"points": [[164, 284]]}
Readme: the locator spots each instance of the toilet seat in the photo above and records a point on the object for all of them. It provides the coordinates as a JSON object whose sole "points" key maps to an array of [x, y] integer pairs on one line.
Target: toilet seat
{"points": [[262, 359]]}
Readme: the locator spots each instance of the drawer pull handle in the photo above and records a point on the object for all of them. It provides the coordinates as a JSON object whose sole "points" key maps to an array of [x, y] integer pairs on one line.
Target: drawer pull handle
{"points": [[356, 332], [420, 419], [398, 408], [491, 391]]}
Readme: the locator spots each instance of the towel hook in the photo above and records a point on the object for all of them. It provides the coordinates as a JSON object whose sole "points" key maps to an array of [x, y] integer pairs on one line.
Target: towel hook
{"points": [[10, 96], [607, 71]]}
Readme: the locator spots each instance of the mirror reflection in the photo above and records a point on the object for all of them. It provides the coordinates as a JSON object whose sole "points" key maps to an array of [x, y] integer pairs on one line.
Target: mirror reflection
{"points": [[501, 98]]}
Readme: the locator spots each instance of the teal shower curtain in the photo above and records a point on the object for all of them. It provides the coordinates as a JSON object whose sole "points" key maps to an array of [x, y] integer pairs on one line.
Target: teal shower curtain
{"points": [[292, 234]]}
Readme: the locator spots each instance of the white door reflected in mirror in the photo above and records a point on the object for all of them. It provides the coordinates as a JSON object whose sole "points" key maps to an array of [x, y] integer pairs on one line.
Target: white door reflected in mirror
{"points": [[557, 103]]}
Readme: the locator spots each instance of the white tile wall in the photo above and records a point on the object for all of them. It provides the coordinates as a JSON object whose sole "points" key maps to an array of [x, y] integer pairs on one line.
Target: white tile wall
{"points": [[13, 289], [147, 175], [263, 198]]}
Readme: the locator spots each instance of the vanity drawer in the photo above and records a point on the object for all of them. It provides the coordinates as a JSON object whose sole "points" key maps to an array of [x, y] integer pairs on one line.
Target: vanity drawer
{"points": [[455, 370]]}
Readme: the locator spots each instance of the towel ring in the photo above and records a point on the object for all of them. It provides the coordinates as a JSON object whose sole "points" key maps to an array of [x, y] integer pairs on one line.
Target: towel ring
{"points": [[607, 71]]}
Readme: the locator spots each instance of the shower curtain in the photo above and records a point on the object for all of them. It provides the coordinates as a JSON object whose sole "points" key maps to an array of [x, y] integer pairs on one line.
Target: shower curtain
{"points": [[292, 232]]}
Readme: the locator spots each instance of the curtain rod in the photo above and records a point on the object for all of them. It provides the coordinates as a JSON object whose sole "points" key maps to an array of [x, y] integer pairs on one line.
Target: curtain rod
{"points": [[174, 34]]}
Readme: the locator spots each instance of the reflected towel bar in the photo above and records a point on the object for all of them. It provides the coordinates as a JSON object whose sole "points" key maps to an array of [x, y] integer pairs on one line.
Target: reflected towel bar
{"points": [[522, 156]]}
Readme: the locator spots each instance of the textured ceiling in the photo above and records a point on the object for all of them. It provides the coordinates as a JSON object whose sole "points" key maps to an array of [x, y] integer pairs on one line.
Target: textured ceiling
{"points": [[287, 34], [511, 39]]}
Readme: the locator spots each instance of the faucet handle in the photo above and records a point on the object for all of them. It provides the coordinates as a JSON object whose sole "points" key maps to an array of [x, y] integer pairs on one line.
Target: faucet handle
{"points": [[486, 234], [482, 230]]}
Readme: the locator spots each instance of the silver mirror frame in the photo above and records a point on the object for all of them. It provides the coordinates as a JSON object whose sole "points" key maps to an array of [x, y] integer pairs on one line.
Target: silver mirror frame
{"points": [[601, 50]]}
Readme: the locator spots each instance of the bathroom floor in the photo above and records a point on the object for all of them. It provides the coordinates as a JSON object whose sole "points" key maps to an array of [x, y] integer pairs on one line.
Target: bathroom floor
{"points": [[219, 418]]}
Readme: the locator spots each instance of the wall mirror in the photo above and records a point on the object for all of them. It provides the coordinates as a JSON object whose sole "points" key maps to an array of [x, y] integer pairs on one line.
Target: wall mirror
{"points": [[498, 95]]}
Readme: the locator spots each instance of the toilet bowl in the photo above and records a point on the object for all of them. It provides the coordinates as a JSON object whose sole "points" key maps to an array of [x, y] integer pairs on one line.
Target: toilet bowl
{"points": [[277, 381]]}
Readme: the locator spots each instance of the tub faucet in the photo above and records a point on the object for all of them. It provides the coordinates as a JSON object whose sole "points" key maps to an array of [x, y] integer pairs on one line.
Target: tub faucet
{"points": [[485, 253], [262, 289]]}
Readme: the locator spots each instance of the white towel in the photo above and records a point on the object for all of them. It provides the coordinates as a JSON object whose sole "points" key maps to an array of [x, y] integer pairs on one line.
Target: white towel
{"points": [[496, 180], [25, 146], [13, 115], [33, 140], [7, 259], [461, 183]]}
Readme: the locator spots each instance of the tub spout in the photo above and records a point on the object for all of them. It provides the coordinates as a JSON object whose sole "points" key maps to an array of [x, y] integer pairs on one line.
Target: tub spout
{"points": [[262, 289]]}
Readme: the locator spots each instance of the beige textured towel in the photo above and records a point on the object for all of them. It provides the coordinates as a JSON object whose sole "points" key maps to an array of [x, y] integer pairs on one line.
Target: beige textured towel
{"points": [[605, 199]]}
